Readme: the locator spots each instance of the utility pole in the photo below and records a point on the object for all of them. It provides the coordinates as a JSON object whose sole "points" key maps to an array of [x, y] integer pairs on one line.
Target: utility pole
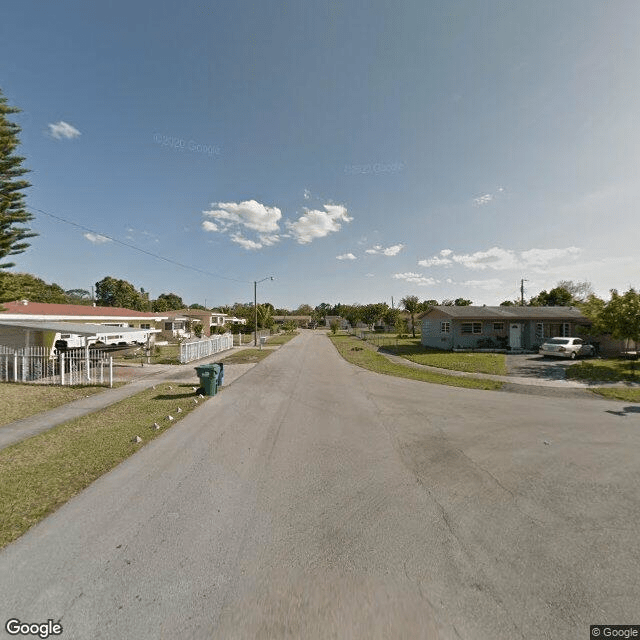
{"points": [[255, 308], [392, 302], [522, 291]]}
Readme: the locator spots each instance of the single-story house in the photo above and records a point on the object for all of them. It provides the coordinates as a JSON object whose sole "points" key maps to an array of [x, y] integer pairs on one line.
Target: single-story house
{"points": [[24, 311], [342, 323], [206, 318], [512, 328], [18, 334]]}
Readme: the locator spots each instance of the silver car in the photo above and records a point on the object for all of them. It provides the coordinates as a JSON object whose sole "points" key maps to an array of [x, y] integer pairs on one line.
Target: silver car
{"points": [[566, 348]]}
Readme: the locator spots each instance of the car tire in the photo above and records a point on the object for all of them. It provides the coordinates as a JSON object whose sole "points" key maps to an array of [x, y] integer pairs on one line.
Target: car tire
{"points": [[573, 355]]}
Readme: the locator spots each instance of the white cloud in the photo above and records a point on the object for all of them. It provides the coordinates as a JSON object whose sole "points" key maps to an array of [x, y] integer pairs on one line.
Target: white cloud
{"points": [[346, 256], [415, 278], [249, 213], [540, 257], [502, 259], [489, 284], [394, 250], [307, 194], [436, 261], [269, 239], [318, 224], [494, 258], [245, 243], [369, 275], [482, 200], [207, 225], [389, 251], [96, 238], [62, 129]]}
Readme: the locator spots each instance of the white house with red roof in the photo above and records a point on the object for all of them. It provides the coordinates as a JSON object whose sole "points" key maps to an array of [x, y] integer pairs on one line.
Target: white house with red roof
{"points": [[24, 323]]}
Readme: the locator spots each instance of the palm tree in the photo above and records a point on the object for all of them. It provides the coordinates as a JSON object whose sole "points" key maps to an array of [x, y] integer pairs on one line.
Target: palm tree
{"points": [[410, 304]]}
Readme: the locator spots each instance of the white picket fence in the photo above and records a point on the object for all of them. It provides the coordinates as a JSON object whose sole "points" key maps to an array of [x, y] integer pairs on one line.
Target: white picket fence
{"points": [[190, 351], [36, 364]]}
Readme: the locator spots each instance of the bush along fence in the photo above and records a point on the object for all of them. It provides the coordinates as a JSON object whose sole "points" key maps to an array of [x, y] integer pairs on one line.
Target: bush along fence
{"points": [[38, 365], [190, 351]]}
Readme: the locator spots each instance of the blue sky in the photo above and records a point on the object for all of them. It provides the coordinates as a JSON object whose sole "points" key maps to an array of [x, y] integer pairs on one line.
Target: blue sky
{"points": [[353, 150]]}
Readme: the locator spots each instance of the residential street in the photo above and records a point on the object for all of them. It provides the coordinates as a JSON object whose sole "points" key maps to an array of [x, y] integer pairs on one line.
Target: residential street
{"points": [[314, 499]]}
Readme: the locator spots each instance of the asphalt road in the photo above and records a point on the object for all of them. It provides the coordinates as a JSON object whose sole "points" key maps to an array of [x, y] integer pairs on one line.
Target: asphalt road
{"points": [[313, 499]]}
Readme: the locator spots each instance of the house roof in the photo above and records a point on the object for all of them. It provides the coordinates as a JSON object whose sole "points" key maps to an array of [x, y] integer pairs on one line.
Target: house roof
{"points": [[509, 313], [26, 308]]}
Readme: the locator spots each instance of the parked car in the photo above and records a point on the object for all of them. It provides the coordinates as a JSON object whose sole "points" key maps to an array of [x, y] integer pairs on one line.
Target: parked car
{"points": [[566, 348]]}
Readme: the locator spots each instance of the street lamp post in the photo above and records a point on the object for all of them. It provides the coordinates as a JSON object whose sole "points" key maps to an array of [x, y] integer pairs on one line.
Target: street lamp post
{"points": [[255, 308]]}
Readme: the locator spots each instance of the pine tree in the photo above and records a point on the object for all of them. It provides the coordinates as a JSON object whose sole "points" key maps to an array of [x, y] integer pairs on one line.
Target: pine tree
{"points": [[13, 213]]}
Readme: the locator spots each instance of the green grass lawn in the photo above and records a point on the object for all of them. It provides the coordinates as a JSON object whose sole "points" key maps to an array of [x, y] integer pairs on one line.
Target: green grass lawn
{"points": [[165, 354], [40, 474], [471, 362], [605, 371], [353, 350], [22, 400], [282, 338], [247, 356], [628, 395]]}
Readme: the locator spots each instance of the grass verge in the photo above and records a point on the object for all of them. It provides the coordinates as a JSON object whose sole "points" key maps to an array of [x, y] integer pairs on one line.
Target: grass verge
{"points": [[23, 400], [628, 395], [282, 338], [605, 371], [247, 356], [413, 350], [40, 474], [353, 351]]}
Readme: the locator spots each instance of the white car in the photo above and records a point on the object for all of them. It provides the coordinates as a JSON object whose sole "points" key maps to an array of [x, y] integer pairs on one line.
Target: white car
{"points": [[566, 348]]}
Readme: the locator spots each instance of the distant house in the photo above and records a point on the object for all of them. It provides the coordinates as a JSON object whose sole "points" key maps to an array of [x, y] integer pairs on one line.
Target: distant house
{"points": [[511, 328], [301, 321], [183, 318], [342, 323]]}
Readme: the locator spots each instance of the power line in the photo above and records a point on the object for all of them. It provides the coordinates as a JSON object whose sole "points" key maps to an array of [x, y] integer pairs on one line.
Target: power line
{"points": [[135, 248]]}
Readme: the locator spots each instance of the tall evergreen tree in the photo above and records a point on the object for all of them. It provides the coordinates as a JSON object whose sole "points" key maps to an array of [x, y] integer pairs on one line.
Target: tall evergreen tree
{"points": [[13, 213]]}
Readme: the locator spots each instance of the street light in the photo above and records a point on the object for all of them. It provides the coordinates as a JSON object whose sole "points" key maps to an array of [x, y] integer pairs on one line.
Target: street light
{"points": [[255, 308]]}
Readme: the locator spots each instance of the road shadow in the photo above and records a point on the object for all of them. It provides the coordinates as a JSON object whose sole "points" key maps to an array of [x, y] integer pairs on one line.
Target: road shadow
{"points": [[625, 411]]}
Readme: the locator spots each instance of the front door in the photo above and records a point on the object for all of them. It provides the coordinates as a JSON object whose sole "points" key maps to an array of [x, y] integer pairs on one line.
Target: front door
{"points": [[515, 335]]}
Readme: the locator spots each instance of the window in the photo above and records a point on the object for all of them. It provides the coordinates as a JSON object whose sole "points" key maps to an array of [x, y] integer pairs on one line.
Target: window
{"points": [[498, 326], [168, 326], [554, 330], [445, 327], [145, 326], [471, 327]]}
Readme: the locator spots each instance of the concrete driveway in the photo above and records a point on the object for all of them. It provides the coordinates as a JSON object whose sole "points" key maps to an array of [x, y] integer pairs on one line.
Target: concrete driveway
{"points": [[313, 499], [536, 366]]}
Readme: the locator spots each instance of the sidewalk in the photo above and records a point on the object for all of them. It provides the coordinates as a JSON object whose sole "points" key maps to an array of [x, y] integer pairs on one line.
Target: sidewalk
{"points": [[149, 375]]}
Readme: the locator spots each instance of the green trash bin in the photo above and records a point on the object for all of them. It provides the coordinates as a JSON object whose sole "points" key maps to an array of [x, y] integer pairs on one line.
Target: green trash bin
{"points": [[208, 374]]}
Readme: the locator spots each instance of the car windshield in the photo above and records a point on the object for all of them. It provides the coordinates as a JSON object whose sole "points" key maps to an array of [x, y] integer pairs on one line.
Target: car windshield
{"points": [[558, 341]]}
